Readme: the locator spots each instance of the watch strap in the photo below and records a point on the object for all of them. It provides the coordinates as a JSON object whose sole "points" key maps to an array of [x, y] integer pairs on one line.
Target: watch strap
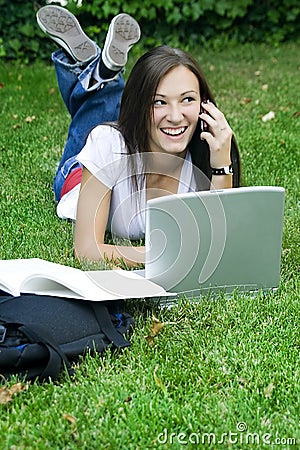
{"points": [[227, 170]]}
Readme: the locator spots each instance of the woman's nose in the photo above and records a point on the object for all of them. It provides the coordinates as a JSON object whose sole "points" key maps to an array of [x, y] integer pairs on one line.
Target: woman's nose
{"points": [[174, 114]]}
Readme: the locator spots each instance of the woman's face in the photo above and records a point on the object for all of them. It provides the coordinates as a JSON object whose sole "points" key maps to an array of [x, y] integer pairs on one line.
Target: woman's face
{"points": [[175, 112]]}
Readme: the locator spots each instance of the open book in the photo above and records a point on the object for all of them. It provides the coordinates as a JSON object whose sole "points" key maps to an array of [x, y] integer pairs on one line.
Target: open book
{"points": [[37, 276]]}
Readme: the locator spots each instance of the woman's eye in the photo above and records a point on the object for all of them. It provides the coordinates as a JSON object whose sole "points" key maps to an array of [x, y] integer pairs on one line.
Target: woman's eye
{"points": [[188, 99], [159, 102]]}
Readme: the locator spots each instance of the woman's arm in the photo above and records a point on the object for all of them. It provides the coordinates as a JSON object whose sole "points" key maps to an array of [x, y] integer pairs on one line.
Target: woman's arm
{"points": [[92, 215], [218, 137], [221, 182]]}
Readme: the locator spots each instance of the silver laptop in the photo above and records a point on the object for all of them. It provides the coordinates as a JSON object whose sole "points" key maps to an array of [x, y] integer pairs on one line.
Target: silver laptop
{"points": [[213, 241]]}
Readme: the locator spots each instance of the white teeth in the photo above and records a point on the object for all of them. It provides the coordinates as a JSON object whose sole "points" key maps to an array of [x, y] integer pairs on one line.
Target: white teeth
{"points": [[173, 131]]}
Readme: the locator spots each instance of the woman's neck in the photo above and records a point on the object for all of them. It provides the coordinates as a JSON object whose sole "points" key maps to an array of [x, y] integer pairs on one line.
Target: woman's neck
{"points": [[159, 184], [163, 163]]}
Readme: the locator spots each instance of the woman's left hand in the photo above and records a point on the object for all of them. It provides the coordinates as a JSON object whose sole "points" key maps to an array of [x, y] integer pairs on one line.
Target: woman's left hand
{"points": [[218, 136]]}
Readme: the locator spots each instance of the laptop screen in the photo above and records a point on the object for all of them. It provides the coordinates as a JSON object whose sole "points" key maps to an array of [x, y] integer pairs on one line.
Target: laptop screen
{"points": [[212, 240]]}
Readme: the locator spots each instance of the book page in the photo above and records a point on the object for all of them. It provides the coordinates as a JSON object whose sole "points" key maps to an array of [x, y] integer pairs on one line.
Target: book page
{"points": [[37, 276], [125, 284], [101, 285], [49, 278], [12, 273]]}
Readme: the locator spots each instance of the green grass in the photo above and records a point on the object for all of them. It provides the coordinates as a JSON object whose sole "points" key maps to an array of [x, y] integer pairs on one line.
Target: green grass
{"points": [[219, 366]]}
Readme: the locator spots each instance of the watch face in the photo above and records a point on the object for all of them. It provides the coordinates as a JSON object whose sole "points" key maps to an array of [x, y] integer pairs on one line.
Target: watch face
{"points": [[228, 170]]}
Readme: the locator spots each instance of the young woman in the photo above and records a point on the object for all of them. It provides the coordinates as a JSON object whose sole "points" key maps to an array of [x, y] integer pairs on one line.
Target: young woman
{"points": [[169, 136]]}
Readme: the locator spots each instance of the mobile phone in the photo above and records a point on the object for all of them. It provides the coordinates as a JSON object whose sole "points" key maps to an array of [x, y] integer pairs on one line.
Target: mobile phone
{"points": [[203, 124]]}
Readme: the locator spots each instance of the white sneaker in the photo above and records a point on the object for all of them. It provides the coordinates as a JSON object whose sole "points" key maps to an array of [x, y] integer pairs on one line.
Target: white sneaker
{"points": [[123, 33], [63, 27]]}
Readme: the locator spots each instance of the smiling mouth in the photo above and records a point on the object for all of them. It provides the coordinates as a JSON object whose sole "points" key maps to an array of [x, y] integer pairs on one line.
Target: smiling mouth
{"points": [[174, 131]]}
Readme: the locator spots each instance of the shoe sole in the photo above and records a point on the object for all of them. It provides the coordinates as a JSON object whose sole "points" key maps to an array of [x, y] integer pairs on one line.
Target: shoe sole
{"points": [[123, 33], [61, 26]]}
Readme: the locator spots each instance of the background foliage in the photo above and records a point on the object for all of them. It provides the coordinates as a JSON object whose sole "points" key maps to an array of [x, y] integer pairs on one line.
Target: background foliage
{"points": [[176, 22]]}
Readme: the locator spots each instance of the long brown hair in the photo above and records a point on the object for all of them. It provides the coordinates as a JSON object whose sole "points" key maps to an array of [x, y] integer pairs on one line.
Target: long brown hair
{"points": [[137, 107]]}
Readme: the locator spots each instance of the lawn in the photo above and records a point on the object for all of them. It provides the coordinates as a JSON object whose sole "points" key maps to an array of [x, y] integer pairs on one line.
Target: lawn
{"points": [[220, 374]]}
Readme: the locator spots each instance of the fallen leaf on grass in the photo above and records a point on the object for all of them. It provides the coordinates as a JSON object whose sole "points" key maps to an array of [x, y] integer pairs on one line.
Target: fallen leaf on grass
{"points": [[1, 85], [265, 87], [70, 418], [269, 116], [156, 326], [296, 114], [6, 394], [155, 329], [73, 421]]}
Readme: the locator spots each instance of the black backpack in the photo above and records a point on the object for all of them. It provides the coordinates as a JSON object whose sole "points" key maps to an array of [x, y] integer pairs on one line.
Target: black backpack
{"points": [[40, 335]]}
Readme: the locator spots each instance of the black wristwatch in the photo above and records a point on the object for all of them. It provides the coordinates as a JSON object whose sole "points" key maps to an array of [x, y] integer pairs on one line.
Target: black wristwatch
{"points": [[227, 170]]}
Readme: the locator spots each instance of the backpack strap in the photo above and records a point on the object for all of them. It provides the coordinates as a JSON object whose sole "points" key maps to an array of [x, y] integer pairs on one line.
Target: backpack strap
{"points": [[104, 320], [56, 355]]}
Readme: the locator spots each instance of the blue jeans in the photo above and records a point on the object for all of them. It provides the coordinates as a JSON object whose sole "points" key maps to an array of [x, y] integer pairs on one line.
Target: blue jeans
{"points": [[88, 107]]}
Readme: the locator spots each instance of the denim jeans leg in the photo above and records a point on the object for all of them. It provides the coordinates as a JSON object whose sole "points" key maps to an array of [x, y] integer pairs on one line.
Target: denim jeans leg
{"points": [[88, 108]]}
